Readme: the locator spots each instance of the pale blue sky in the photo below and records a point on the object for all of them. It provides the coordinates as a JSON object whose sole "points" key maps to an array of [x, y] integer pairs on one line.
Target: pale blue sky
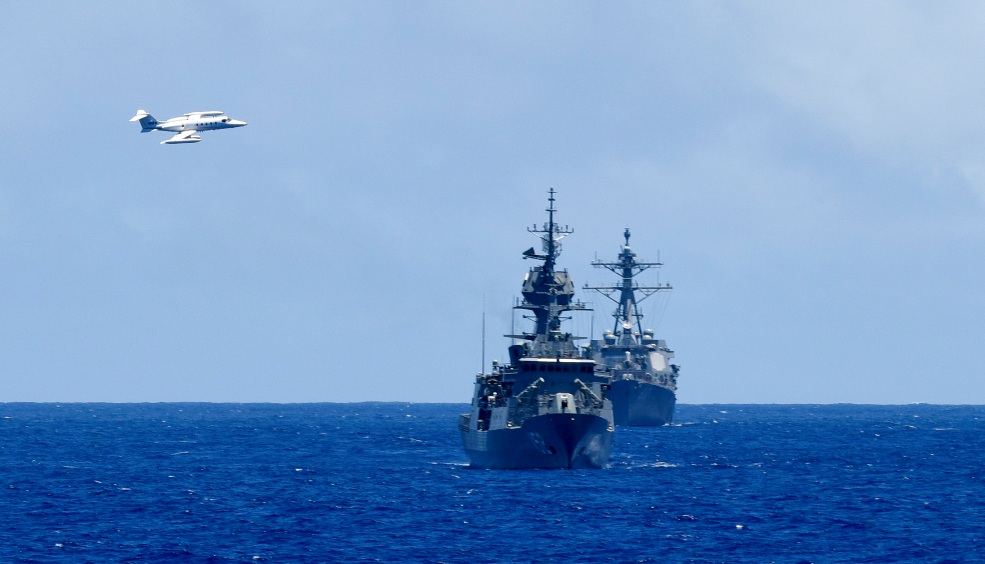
{"points": [[812, 175]]}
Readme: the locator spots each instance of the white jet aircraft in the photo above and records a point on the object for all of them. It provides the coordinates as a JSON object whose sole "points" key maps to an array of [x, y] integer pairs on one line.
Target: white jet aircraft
{"points": [[186, 126]]}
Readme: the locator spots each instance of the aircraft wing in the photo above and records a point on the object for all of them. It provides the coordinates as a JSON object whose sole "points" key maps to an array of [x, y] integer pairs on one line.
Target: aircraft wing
{"points": [[188, 136]]}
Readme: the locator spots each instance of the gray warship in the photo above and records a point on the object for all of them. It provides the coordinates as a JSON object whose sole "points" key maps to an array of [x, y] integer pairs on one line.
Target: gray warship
{"points": [[546, 408], [643, 380]]}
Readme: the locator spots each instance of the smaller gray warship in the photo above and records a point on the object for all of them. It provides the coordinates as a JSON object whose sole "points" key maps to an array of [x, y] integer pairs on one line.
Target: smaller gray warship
{"points": [[546, 408], [643, 381]]}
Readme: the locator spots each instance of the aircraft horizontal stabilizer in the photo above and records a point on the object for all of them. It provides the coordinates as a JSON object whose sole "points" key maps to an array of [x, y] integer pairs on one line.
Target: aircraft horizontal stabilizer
{"points": [[147, 121]]}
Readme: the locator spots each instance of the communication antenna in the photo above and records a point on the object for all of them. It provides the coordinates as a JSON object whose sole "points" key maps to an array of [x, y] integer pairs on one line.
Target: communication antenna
{"points": [[483, 371], [513, 319]]}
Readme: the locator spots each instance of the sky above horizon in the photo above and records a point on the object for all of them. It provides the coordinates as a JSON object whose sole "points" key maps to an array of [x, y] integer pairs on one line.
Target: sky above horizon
{"points": [[812, 176]]}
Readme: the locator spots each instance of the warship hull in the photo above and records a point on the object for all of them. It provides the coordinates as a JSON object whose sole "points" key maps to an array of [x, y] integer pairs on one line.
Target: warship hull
{"points": [[561, 440], [641, 404]]}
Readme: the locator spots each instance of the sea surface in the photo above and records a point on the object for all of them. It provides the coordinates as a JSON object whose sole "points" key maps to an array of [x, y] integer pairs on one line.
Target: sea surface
{"points": [[389, 482]]}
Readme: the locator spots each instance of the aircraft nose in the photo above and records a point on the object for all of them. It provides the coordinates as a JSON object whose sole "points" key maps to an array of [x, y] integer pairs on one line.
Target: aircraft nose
{"points": [[237, 123]]}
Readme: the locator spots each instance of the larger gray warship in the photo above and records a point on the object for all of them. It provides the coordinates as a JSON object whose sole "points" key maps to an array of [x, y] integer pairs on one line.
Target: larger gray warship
{"points": [[546, 408], [644, 382]]}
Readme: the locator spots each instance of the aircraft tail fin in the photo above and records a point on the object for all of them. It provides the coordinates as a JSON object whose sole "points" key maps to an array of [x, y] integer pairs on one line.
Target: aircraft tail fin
{"points": [[147, 121]]}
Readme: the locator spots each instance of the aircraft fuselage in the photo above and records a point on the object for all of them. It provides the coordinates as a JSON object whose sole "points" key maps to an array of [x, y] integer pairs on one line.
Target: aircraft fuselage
{"points": [[200, 121]]}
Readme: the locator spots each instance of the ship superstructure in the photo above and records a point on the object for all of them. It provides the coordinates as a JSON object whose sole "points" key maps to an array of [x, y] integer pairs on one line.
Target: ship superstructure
{"points": [[547, 407], [643, 380]]}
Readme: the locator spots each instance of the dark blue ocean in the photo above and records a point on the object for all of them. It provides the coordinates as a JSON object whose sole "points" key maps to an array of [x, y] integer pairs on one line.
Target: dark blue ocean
{"points": [[388, 482]]}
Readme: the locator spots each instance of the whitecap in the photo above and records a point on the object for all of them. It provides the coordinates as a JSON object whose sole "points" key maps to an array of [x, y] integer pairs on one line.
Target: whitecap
{"points": [[657, 464]]}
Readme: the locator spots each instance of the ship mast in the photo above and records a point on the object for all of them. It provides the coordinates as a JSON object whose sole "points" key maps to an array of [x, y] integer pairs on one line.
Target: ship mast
{"points": [[627, 312], [548, 292]]}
